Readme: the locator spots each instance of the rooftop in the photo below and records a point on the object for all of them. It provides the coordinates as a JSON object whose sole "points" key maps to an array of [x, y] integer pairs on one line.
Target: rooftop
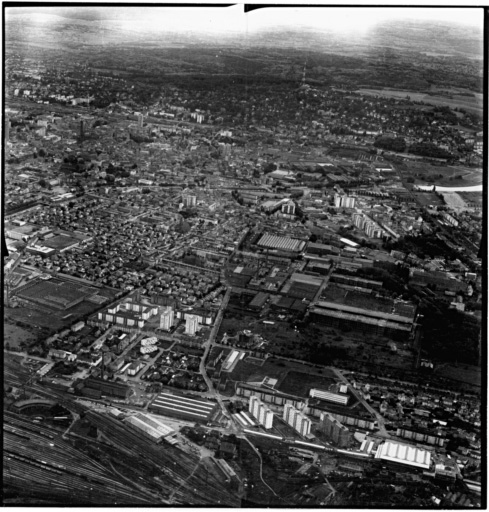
{"points": [[404, 454]]}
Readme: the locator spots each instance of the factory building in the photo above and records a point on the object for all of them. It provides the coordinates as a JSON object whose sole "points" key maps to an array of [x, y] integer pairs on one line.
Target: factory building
{"points": [[230, 362], [149, 426], [40, 250], [362, 319], [328, 396], [404, 454], [117, 389], [281, 242], [322, 249], [228, 472], [180, 406], [358, 282]]}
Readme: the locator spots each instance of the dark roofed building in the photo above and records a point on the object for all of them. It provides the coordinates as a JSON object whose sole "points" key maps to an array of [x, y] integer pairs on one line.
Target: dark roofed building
{"points": [[91, 393], [321, 249], [117, 389], [228, 450], [259, 300]]}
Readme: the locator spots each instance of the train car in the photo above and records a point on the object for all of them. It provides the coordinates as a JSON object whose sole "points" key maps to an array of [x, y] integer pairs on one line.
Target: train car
{"points": [[312, 445], [271, 436], [361, 455]]}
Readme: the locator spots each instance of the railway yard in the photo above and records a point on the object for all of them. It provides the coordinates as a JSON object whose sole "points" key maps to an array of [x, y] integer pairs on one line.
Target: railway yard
{"points": [[119, 466], [38, 460], [91, 457]]}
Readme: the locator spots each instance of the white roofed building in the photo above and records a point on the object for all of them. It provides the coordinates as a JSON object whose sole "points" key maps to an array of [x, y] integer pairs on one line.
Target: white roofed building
{"points": [[392, 451]]}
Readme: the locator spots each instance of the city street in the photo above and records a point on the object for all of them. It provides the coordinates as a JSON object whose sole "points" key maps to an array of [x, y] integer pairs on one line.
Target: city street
{"points": [[381, 422], [208, 345]]}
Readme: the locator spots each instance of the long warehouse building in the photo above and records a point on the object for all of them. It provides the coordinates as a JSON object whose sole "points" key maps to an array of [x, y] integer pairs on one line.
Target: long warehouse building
{"points": [[377, 322], [404, 454], [281, 242], [180, 406]]}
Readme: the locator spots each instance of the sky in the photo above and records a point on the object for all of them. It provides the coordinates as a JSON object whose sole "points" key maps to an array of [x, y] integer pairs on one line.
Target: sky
{"points": [[228, 20], [354, 19]]}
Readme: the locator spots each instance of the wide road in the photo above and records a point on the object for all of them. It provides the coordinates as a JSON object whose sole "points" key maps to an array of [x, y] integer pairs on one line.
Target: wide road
{"points": [[382, 430], [325, 282], [207, 346]]}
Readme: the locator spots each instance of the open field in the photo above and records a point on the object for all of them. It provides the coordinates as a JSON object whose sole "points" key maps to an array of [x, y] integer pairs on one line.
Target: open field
{"points": [[302, 375], [319, 344], [245, 371], [14, 335], [281, 338], [462, 373], [453, 200], [299, 383], [61, 242], [428, 198], [54, 302], [469, 103], [440, 175], [471, 197], [38, 319], [259, 494]]}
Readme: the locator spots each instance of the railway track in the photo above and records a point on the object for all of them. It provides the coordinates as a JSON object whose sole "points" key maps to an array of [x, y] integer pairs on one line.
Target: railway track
{"points": [[180, 473], [34, 455], [187, 484]]}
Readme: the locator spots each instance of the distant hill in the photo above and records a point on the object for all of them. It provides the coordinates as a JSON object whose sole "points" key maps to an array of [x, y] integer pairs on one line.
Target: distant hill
{"points": [[107, 25], [401, 54]]}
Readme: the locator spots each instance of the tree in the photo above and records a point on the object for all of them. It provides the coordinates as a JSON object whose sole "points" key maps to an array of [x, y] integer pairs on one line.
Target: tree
{"points": [[391, 144]]}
